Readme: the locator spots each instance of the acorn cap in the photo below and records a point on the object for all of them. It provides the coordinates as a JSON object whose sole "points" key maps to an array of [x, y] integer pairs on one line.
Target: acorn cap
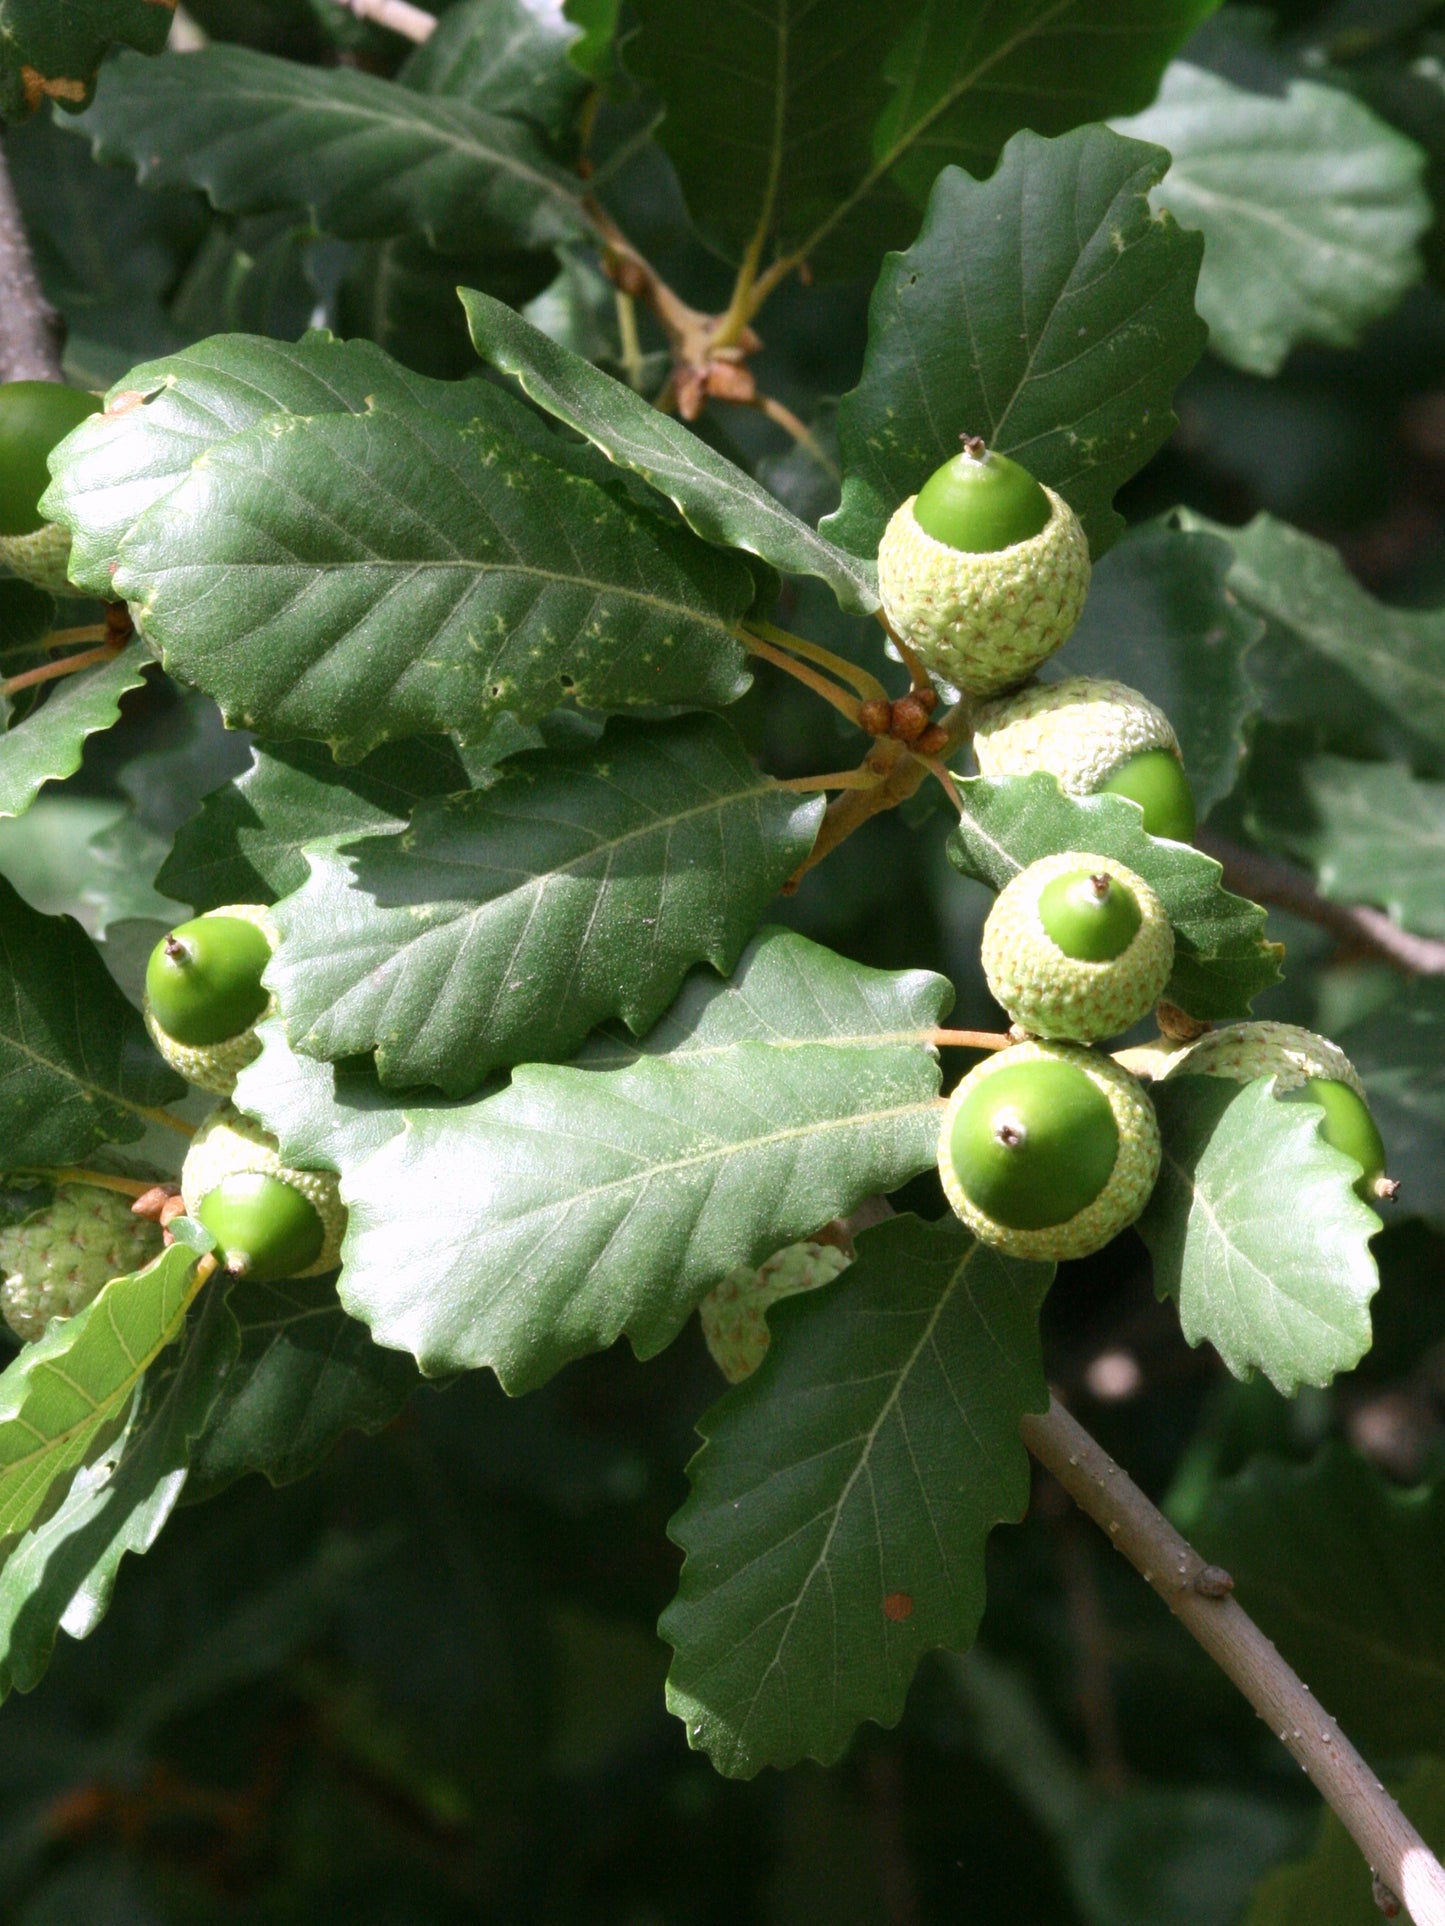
{"points": [[1080, 730], [1285, 1051], [216, 1066], [57, 1260], [983, 621], [1053, 994], [1124, 1191], [229, 1141], [734, 1312], [41, 558]]}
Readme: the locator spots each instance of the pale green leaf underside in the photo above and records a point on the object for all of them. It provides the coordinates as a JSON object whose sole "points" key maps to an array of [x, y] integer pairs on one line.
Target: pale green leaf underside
{"points": [[1221, 958], [47, 745], [844, 1493], [1310, 205], [1046, 309], [58, 1395], [724, 504], [358, 577], [1257, 1234], [506, 922], [1342, 1569], [523, 1229], [361, 156]]}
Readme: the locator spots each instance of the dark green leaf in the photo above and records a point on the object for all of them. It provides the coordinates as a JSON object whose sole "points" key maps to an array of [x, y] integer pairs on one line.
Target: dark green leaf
{"points": [[1341, 1569], [1400, 1053], [359, 577], [1310, 206], [598, 21], [362, 157], [245, 845], [1372, 831], [1221, 959], [1333, 1887], [526, 1228], [1257, 1234], [59, 1395], [719, 500], [506, 922], [62, 1573], [76, 1066], [305, 1374], [1333, 650], [27, 615], [844, 1493], [48, 743], [52, 52], [1160, 618], [504, 58], [402, 295], [1046, 309]]}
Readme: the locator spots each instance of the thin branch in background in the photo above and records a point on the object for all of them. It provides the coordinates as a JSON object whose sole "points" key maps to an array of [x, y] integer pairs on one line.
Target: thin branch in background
{"points": [[412, 23], [31, 332], [67, 665], [1200, 1597], [863, 680], [1268, 879], [800, 431]]}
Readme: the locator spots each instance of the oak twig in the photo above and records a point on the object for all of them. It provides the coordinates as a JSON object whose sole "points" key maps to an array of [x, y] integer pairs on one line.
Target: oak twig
{"points": [[31, 332], [67, 665], [1268, 879], [819, 684], [1200, 1596], [971, 1039]]}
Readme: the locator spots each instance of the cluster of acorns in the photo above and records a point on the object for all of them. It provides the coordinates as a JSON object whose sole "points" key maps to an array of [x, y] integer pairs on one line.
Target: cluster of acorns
{"points": [[204, 996], [1050, 1148]]}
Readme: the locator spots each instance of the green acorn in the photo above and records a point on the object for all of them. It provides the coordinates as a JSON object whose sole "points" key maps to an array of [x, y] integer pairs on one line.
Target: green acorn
{"points": [[984, 571], [1097, 737], [1306, 1068], [1077, 947], [35, 416], [1048, 1150], [269, 1221], [734, 1313], [56, 1261], [204, 994]]}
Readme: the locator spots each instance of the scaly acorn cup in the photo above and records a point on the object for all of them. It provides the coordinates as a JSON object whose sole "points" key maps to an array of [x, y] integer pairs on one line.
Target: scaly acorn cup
{"points": [[984, 571], [269, 1221], [57, 1260], [1096, 737], [1048, 1150], [734, 1313], [1077, 947], [35, 416], [1306, 1068], [204, 994]]}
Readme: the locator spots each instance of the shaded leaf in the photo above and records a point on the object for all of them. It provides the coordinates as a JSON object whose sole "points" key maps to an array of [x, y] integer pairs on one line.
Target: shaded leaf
{"points": [[1339, 1567], [362, 157], [1257, 1234], [61, 1574], [1399, 1050], [504, 58], [1372, 832], [1046, 309], [719, 500], [1160, 617], [48, 744], [59, 1395], [844, 1493], [1334, 1886], [358, 577], [116, 465], [50, 52], [245, 844], [1311, 208], [76, 1066], [27, 615], [508, 921], [1221, 959], [305, 1374], [523, 1229]]}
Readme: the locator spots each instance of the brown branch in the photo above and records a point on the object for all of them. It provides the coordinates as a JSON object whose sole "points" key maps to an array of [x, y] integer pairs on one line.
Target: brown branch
{"points": [[412, 23], [1268, 879], [31, 332], [68, 665], [1200, 1596]]}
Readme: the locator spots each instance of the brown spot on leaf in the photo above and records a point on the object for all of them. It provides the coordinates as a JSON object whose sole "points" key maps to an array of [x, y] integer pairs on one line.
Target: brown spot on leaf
{"points": [[37, 88], [898, 1606]]}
